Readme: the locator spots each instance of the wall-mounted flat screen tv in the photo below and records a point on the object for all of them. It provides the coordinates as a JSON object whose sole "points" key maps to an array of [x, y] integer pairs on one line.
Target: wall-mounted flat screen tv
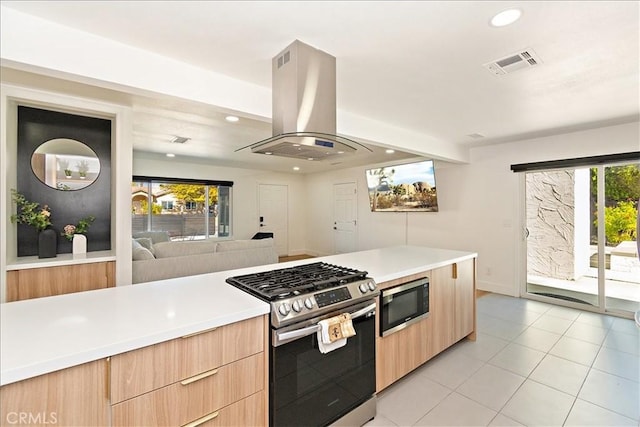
{"points": [[409, 187]]}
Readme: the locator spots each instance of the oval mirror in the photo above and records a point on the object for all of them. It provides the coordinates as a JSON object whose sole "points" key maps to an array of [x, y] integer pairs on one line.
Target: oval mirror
{"points": [[65, 164]]}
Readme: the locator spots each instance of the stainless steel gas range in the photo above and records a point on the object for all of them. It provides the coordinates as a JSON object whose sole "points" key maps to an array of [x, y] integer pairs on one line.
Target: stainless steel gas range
{"points": [[307, 387]]}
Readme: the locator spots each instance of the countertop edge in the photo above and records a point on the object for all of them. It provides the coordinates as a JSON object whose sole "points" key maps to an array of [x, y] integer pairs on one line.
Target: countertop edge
{"points": [[26, 372], [423, 268], [25, 263]]}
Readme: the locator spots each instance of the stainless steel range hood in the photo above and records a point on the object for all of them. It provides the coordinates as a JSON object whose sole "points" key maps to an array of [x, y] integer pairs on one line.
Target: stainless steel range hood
{"points": [[304, 107]]}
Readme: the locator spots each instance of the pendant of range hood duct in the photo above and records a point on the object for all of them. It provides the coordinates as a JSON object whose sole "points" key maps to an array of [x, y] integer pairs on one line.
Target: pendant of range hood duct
{"points": [[304, 107]]}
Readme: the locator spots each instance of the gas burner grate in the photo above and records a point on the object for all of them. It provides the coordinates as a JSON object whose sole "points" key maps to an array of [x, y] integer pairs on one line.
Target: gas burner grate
{"points": [[302, 279]]}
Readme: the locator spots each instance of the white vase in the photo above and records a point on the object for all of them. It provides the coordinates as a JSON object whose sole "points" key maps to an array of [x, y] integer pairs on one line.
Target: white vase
{"points": [[79, 244]]}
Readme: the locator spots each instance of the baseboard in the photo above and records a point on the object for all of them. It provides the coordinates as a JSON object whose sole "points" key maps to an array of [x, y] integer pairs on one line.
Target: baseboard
{"points": [[497, 288]]}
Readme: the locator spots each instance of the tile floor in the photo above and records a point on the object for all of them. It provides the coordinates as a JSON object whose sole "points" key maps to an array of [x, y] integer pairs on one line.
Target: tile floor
{"points": [[532, 364]]}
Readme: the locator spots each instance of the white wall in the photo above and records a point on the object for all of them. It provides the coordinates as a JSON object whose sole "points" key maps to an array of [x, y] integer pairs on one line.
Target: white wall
{"points": [[84, 57], [479, 203], [245, 193]]}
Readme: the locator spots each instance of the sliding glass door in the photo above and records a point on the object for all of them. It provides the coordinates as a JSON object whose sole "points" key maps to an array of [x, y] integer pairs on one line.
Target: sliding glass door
{"points": [[581, 237]]}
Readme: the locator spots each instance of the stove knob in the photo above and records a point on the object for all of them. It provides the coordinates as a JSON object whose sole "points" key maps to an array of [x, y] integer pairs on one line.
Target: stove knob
{"points": [[284, 309], [363, 288], [308, 303], [296, 306], [372, 286]]}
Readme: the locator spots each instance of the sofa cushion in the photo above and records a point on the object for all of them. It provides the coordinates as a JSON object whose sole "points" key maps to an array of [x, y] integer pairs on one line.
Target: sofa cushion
{"points": [[240, 245], [174, 249]]}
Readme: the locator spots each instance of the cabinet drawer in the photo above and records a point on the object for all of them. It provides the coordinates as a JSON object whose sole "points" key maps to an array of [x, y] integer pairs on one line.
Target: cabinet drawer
{"points": [[247, 412], [194, 397], [146, 369]]}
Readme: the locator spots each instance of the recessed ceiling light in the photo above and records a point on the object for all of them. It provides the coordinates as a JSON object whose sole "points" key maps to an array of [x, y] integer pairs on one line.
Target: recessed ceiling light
{"points": [[170, 155], [506, 17], [389, 151], [232, 119], [340, 152], [296, 168], [310, 158], [268, 153]]}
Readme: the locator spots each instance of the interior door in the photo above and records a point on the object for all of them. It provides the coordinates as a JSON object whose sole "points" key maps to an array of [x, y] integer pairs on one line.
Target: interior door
{"points": [[273, 214], [345, 213]]}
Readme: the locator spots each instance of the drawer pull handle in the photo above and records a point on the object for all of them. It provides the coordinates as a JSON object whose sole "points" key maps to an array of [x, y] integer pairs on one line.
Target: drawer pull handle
{"points": [[202, 420], [199, 377], [199, 333]]}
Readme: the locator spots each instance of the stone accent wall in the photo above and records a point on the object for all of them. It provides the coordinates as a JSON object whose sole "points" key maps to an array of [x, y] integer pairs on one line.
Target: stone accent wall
{"points": [[550, 212]]}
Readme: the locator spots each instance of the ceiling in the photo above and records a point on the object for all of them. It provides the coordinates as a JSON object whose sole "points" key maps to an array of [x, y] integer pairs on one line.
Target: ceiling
{"points": [[416, 65]]}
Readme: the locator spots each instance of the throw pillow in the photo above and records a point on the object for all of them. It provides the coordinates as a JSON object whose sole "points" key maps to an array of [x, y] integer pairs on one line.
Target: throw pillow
{"points": [[142, 253], [146, 242]]}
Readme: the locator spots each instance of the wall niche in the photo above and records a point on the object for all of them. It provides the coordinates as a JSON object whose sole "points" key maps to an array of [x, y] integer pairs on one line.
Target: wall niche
{"points": [[73, 178]]}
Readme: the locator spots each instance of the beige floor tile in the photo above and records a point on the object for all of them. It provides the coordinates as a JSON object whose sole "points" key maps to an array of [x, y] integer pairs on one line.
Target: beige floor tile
{"points": [[575, 350], [537, 339], [457, 410], [618, 363], [491, 386], [518, 359], [611, 392], [408, 400], [587, 414], [561, 374], [536, 404]]}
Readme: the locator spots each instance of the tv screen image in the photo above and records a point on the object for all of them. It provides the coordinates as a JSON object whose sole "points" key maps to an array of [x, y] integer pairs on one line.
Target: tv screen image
{"points": [[409, 187]]}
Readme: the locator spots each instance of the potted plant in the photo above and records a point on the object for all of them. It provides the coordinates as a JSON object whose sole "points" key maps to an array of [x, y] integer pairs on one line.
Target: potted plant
{"points": [[30, 213], [75, 234], [64, 165], [83, 168]]}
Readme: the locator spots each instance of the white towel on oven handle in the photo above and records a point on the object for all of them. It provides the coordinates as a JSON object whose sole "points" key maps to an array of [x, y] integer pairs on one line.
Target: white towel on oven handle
{"points": [[346, 330], [324, 344], [326, 348]]}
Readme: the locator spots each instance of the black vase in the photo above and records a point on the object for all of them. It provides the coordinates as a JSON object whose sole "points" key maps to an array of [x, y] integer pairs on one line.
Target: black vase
{"points": [[47, 242]]}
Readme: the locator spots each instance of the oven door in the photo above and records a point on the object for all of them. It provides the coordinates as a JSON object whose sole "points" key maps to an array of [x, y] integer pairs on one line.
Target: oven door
{"points": [[314, 389]]}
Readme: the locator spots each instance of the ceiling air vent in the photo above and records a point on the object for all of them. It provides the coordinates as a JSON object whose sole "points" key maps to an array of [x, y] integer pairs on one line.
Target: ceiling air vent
{"points": [[517, 61], [179, 139]]}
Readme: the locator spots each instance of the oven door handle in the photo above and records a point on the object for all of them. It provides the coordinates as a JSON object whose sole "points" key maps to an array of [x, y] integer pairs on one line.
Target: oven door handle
{"points": [[303, 332], [298, 333], [363, 311]]}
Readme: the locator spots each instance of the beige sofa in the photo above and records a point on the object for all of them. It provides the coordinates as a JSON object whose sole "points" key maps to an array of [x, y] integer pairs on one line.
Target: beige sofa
{"points": [[156, 260]]}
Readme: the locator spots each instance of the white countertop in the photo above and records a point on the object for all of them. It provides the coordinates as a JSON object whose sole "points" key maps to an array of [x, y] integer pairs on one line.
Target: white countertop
{"points": [[43, 335], [27, 262]]}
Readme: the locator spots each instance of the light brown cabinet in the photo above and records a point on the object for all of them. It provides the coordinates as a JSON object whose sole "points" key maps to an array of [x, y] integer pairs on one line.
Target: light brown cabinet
{"points": [[48, 281], [216, 377], [76, 396], [451, 318], [465, 300], [452, 289], [206, 378]]}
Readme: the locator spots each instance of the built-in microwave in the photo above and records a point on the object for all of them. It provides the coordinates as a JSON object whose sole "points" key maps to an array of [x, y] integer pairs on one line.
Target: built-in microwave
{"points": [[403, 305]]}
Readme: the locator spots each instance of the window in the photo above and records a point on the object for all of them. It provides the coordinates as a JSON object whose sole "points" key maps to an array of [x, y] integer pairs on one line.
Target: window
{"points": [[185, 209]]}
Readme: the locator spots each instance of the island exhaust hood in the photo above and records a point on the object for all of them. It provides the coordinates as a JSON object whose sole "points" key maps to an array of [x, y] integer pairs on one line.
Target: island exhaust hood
{"points": [[304, 107]]}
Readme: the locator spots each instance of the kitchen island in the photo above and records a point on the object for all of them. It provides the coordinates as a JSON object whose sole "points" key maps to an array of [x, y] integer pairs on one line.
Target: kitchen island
{"points": [[46, 335]]}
